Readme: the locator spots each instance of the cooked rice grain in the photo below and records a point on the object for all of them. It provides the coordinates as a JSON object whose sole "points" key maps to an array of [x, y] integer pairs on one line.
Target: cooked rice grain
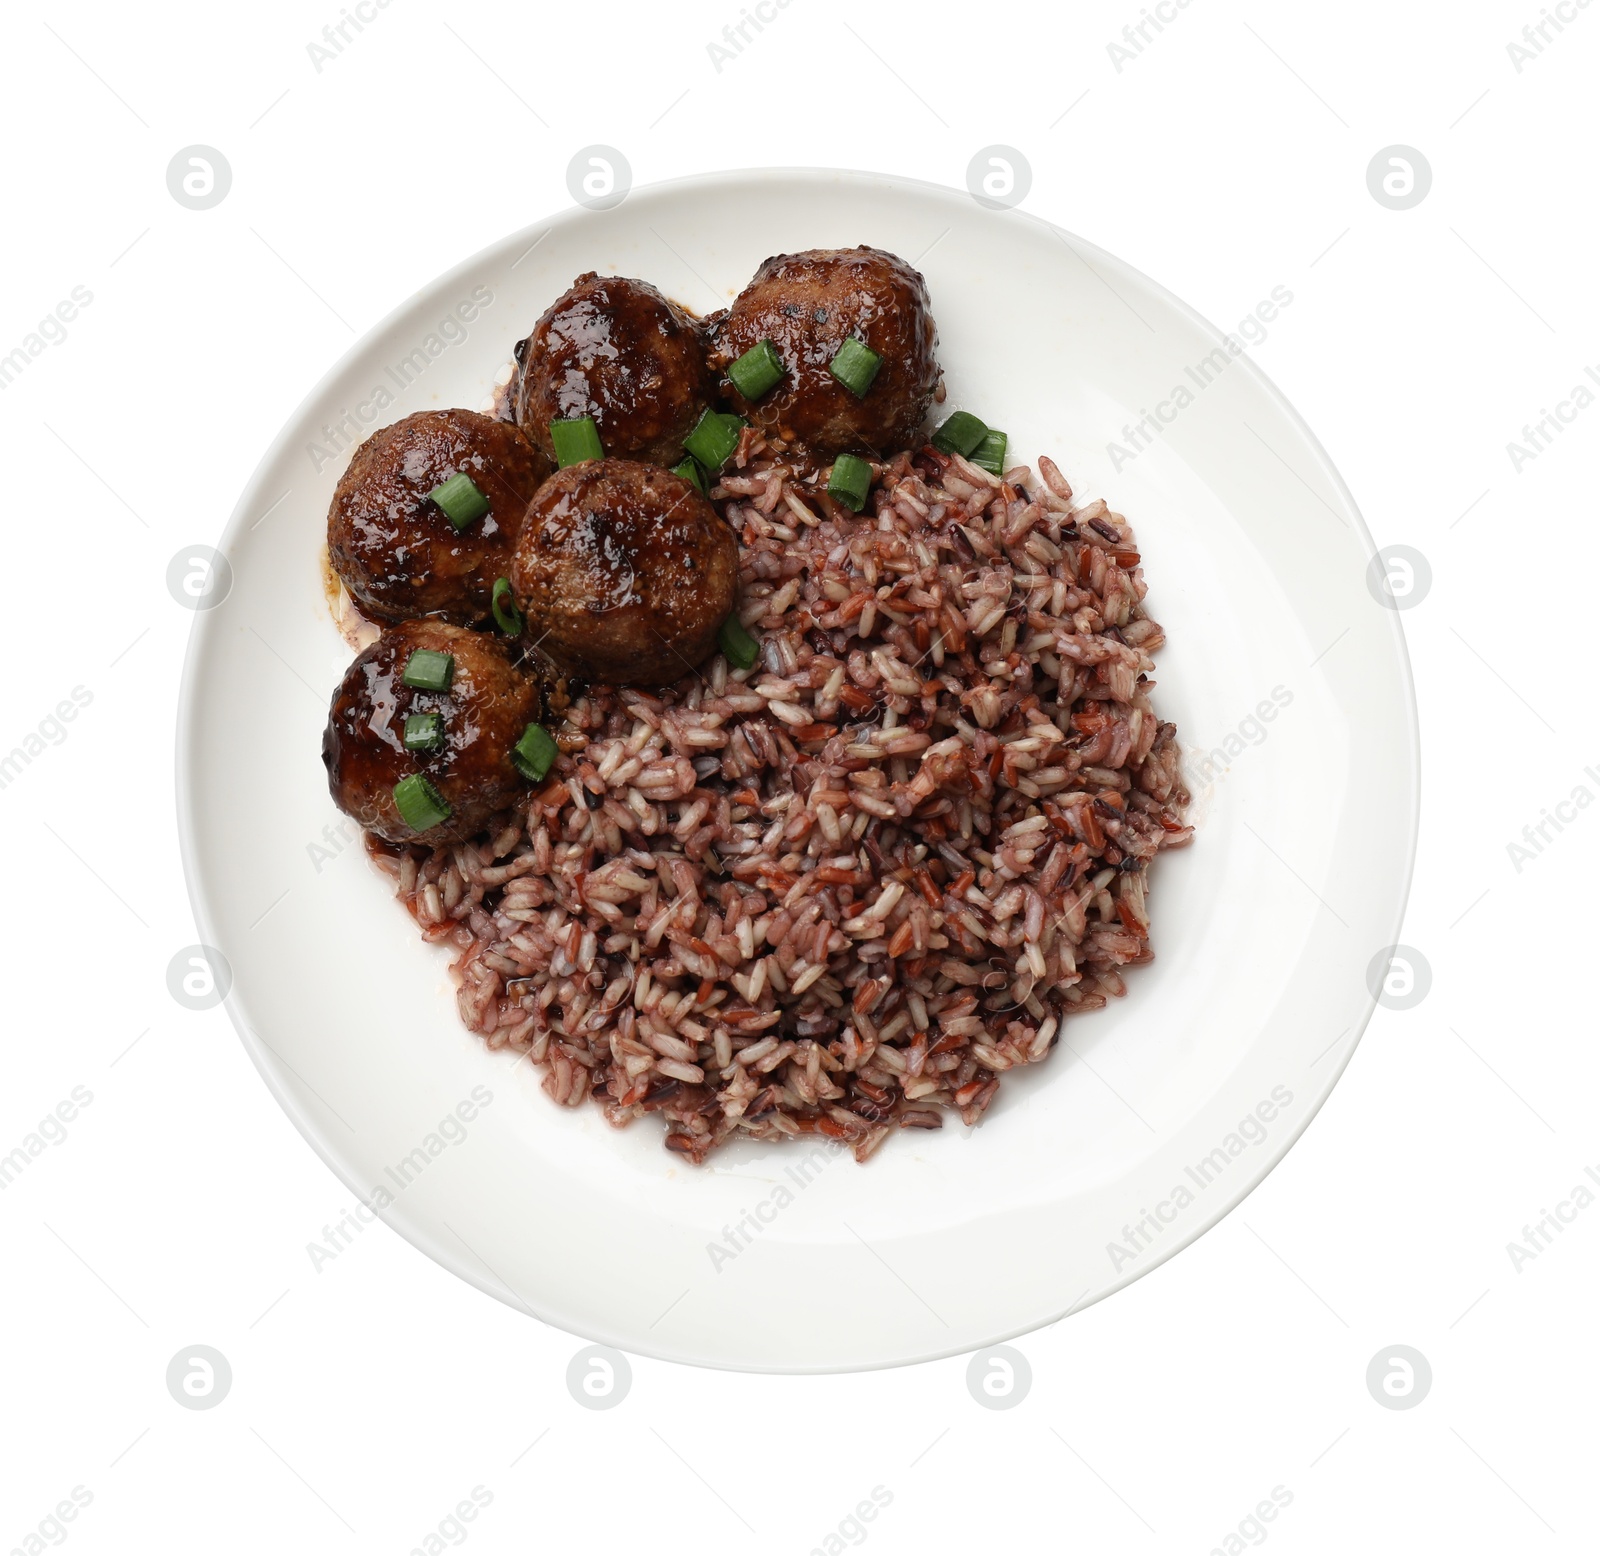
{"points": [[844, 891]]}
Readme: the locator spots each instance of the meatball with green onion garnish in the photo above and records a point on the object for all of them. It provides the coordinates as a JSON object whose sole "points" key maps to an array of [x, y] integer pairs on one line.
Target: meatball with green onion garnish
{"points": [[424, 519], [432, 731], [624, 572], [618, 353], [830, 350]]}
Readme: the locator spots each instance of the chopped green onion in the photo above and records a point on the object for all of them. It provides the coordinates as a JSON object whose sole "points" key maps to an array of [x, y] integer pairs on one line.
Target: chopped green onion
{"points": [[419, 803], [689, 470], [855, 366], [424, 732], [504, 605], [737, 646], [533, 754], [849, 481], [428, 671], [960, 434], [757, 370], [715, 437], [990, 454], [575, 440], [461, 501]]}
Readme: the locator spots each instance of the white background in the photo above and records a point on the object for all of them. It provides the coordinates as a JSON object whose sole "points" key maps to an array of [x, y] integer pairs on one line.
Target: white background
{"points": [[1227, 157]]}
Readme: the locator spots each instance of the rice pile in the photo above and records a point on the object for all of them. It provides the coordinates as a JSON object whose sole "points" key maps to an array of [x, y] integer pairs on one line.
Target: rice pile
{"points": [[846, 891]]}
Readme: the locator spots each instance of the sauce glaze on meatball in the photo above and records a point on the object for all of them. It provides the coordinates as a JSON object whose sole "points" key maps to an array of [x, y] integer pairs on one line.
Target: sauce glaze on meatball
{"points": [[489, 703], [625, 573], [808, 305], [398, 553], [616, 350]]}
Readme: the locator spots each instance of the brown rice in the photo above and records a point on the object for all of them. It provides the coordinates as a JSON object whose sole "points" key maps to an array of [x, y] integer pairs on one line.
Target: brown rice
{"points": [[847, 890]]}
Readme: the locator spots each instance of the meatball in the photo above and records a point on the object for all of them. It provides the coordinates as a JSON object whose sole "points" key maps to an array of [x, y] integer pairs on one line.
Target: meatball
{"points": [[397, 552], [616, 350], [484, 712], [625, 572], [808, 305]]}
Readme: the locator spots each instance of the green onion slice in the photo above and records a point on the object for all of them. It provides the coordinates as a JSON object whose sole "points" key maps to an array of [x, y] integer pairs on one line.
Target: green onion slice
{"points": [[533, 755], [575, 440], [850, 481], [960, 434], [689, 470], [461, 501], [757, 371], [419, 803], [715, 437], [504, 605], [737, 646], [990, 454], [855, 366], [428, 671], [424, 732]]}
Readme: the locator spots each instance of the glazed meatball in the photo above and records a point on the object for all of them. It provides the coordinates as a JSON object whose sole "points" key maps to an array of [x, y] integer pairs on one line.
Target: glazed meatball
{"points": [[624, 572], [616, 350], [808, 305], [397, 551], [489, 704]]}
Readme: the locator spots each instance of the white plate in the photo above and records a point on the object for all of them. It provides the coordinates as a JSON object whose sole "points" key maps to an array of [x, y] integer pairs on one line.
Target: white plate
{"points": [[1129, 1139]]}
